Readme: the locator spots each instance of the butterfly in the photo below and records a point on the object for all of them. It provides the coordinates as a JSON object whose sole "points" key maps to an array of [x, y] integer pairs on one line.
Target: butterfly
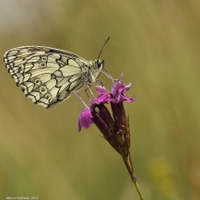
{"points": [[48, 75]]}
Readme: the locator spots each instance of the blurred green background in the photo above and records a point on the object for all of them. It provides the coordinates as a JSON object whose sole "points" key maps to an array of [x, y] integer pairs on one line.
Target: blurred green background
{"points": [[156, 44]]}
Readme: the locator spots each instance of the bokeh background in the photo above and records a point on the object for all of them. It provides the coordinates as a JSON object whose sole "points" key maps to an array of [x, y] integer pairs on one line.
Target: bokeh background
{"points": [[156, 44]]}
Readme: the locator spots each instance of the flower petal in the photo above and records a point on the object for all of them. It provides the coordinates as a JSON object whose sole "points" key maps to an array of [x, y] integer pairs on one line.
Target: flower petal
{"points": [[101, 90], [84, 119], [118, 92]]}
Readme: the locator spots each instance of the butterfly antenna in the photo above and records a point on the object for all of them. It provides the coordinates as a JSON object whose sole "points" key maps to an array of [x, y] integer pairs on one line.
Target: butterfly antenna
{"points": [[102, 48]]}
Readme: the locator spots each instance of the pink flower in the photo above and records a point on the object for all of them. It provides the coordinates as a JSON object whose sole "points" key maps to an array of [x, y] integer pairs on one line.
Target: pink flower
{"points": [[108, 123]]}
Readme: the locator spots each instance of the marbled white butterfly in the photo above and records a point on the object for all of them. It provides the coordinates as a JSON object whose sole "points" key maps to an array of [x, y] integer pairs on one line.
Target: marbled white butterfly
{"points": [[49, 76]]}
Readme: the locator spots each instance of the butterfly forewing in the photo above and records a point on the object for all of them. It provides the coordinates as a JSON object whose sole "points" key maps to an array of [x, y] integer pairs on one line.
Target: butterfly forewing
{"points": [[48, 75]]}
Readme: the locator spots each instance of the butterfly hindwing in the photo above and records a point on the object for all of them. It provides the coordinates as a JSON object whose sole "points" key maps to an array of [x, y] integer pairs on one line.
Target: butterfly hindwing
{"points": [[46, 75]]}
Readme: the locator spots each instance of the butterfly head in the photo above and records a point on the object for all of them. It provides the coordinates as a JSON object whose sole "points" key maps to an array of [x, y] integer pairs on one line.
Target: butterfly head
{"points": [[95, 69]]}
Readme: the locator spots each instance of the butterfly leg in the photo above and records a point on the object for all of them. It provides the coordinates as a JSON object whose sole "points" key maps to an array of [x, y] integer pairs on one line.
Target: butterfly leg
{"points": [[86, 91], [108, 75], [99, 81], [76, 93]]}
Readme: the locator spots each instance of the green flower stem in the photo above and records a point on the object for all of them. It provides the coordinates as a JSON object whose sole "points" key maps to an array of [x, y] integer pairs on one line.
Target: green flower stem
{"points": [[129, 166], [138, 190]]}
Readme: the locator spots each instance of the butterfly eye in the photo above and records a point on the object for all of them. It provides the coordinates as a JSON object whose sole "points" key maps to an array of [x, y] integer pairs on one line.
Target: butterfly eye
{"points": [[37, 81], [43, 89], [100, 64]]}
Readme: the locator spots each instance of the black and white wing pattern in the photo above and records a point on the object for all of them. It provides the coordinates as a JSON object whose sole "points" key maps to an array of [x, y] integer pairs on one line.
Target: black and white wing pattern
{"points": [[48, 75]]}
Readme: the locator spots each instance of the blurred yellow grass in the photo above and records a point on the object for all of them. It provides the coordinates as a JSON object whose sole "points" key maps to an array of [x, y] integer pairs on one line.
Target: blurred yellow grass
{"points": [[156, 45]]}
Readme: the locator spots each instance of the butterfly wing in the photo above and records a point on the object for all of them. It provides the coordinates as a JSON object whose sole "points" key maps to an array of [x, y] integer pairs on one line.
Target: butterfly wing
{"points": [[47, 75]]}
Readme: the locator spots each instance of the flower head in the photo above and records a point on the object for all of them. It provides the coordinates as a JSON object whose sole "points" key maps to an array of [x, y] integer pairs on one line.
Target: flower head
{"points": [[116, 96]]}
